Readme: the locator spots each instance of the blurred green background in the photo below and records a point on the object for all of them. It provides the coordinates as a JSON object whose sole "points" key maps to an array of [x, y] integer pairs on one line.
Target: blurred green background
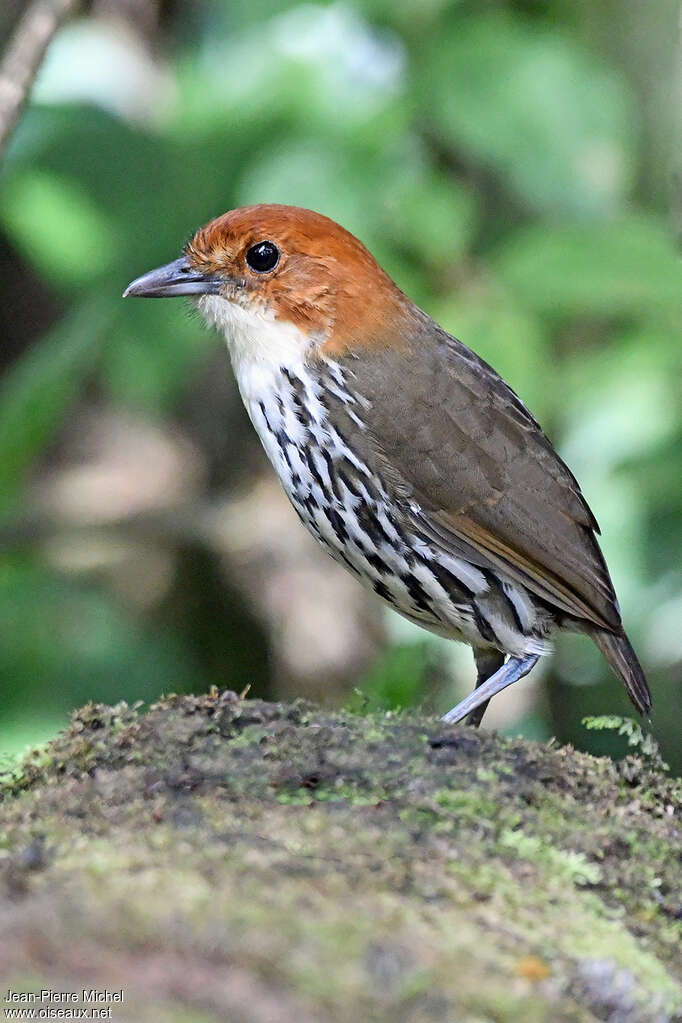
{"points": [[510, 164]]}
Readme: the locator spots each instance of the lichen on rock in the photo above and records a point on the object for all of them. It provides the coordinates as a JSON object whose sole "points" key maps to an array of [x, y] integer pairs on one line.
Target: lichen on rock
{"points": [[228, 859]]}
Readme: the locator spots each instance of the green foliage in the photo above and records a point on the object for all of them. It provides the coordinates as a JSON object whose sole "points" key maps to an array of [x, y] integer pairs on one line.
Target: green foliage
{"points": [[643, 742], [76, 643], [522, 101], [40, 388], [68, 237], [499, 164], [626, 267], [399, 678]]}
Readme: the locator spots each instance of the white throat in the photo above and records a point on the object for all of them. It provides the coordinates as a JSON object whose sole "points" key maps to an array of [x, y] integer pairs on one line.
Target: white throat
{"points": [[266, 355], [259, 345]]}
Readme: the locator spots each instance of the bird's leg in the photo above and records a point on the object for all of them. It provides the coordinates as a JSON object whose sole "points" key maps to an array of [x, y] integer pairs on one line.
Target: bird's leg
{"points": [[510, 672], [488, 661]]}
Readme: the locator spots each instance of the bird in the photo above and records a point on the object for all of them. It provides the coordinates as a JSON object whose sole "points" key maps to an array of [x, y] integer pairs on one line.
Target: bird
{"points": [[403, 452]]}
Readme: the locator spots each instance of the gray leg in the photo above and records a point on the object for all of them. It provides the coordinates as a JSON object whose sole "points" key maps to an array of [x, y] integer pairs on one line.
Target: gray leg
{"points": [[514, 669], [488, 661]]}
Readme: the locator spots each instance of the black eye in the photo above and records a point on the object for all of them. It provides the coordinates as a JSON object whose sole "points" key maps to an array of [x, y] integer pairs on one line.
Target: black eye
{"points": [[263, 257]]}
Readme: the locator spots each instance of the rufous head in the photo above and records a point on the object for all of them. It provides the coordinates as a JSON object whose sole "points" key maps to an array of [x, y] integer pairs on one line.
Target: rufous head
{"points": [[288, 267]]}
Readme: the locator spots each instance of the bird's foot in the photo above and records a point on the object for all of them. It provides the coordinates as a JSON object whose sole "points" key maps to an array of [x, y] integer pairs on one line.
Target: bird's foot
{"points": [[510, 672]]}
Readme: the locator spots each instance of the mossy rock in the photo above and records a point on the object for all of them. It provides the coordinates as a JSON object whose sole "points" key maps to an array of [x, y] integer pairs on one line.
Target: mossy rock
{"points": [[222, 859]]}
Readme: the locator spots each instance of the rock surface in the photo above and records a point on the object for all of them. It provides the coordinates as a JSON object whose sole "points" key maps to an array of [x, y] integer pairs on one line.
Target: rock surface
{"points": [[223, 859]]}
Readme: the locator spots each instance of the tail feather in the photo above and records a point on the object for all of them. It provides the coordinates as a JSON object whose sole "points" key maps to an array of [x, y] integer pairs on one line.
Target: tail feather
{"points": [[617, 650]]}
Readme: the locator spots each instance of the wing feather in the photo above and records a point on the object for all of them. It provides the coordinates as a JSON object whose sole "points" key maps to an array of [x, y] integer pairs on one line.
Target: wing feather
{"points": [[477, 473]]}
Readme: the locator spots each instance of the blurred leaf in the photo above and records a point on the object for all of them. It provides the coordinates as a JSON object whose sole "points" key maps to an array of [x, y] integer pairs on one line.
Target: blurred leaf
{"points": [[657, 474], [24, 730], [627, 267], [104, 62], [620, 402], [56, 224], [71, 642], [88, 146], [154, 190], [424, 212], [320, 64], [398, 679], [155, 349], [410, 19], [39, 388], [620, 406], [534, 107]]}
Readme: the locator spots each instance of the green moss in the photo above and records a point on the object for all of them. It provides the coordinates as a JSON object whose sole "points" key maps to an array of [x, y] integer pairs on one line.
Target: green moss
{"points": [[319, 866]]}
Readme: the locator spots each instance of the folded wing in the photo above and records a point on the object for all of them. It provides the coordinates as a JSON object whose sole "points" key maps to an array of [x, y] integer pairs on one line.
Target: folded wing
{"points": [[477, 473]]}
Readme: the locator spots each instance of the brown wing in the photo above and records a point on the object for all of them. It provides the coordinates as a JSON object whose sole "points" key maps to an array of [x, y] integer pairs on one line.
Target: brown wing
{"points": [[449, 431]]}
